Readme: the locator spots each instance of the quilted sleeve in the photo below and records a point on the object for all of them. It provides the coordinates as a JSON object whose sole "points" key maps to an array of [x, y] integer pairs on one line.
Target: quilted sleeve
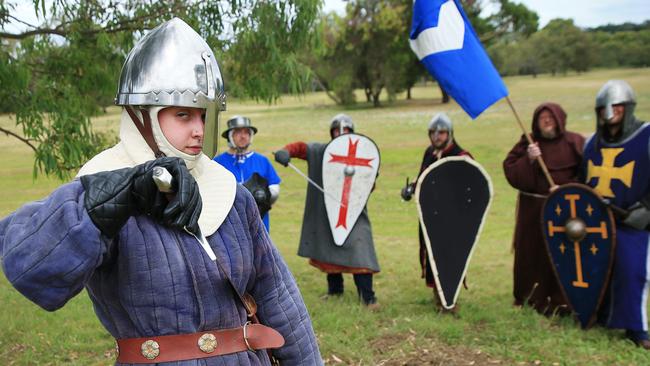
{"points": [[50, 248], [279, 302]]}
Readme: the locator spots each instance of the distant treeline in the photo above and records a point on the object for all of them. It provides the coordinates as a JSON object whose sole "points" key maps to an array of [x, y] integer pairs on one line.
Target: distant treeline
{"points": [[560, 47]]}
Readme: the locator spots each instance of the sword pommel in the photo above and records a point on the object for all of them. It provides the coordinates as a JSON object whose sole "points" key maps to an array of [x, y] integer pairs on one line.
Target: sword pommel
{"points": [[163, 179]]}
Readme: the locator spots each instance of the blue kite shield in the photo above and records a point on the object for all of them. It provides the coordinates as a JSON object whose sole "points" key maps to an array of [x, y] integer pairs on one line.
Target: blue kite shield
{"points": [[580, 238]]}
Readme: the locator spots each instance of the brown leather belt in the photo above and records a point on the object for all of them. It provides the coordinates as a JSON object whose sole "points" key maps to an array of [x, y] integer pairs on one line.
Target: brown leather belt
{"points": [[198, 345]]}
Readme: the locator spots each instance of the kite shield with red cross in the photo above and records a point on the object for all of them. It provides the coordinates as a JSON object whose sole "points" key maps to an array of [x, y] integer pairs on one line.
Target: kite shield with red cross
{"points": [[350, 166]]}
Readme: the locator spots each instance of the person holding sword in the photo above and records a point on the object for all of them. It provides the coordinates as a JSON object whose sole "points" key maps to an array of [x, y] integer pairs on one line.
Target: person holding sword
{"points": [[178, 269], [357, 254]]}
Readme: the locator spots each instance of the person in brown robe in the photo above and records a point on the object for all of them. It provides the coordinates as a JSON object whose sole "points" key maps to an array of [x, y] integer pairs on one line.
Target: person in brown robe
{"points": [[534, 281]]}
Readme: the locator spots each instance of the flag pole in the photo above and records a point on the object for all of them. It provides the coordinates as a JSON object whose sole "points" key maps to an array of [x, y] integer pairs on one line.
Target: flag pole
{"points": [[530, 142]]}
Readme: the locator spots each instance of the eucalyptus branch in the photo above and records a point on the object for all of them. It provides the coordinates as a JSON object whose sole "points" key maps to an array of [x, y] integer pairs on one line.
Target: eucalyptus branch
{"points": [[21, 21], [130, 24], [27, 141], [35, 32]]}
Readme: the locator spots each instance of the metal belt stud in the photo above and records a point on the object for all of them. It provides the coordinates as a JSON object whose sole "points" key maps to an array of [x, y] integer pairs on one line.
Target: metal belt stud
{"points": [[207, 343], [150, 349]]}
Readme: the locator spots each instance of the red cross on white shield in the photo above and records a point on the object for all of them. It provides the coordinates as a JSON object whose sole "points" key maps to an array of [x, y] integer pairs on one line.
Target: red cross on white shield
{"points": [[350, 166]]}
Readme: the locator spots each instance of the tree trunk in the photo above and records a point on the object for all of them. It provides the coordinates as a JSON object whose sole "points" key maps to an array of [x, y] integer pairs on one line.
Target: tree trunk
{"points": [[375, 98], [408, 93], [445, 96], [368, 95]]}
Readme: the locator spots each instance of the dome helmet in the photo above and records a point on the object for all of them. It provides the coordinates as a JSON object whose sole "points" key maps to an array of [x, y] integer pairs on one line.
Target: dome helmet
{"points": [[172, 65], [340, 122], [234, 123]]}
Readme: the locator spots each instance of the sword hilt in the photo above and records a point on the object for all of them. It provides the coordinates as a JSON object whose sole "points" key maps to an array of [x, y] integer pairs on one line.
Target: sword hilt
{"points": [[162, 179]]}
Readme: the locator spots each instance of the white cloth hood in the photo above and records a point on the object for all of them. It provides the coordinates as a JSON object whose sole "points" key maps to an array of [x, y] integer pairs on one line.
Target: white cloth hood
{"points": [[216, 184]]}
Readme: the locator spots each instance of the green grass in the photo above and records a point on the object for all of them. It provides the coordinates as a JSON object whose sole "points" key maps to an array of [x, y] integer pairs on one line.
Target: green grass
{"points": [[407, 323]]}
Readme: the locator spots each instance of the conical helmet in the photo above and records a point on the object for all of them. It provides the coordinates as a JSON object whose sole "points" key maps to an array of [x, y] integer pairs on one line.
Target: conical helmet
{"points": [[173, 66], [441, 122]]}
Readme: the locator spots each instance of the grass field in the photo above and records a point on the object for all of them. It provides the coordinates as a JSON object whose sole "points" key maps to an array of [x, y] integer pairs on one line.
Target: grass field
{"points": [[407, 330]]}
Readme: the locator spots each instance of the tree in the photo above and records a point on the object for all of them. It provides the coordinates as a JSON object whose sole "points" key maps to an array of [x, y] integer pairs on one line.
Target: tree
{"points": [[333, 60], [366, 49], [56, 74], [371, 39], [561, 46]]}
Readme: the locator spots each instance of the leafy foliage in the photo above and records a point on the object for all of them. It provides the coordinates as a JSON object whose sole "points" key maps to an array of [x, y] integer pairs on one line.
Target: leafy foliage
{"points": [[561, 47], [60, 72], [368, 48]]}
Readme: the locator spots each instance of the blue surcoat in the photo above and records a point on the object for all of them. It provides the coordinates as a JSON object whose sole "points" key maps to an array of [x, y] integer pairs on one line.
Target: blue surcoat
{"points": [[154, 281], [620, 172], [243, 167]]}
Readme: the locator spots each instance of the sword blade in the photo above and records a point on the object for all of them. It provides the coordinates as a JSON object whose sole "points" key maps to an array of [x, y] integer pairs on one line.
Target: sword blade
{"points": [[330, 196]]}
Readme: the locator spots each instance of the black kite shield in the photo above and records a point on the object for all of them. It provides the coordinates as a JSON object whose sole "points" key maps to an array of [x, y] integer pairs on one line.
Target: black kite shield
{"points": [[580, 238], [453, 196]]}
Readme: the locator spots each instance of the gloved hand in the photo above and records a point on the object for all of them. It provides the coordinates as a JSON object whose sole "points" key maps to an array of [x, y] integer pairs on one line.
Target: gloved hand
{"points": [[114, 196], [282, 157], [407, 191], [639, 216]]}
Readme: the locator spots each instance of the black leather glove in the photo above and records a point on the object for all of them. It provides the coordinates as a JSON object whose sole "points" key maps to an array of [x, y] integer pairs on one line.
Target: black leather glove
{"points": [[114, 196], [407, 191], [282, 157], [638, 217]]}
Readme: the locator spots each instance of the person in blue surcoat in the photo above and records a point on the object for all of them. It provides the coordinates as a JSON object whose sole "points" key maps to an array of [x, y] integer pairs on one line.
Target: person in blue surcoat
{"points": [[243, 163], [178, 265], [617, 165]]}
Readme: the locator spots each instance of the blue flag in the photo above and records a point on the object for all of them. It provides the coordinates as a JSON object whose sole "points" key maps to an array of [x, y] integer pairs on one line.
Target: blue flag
{"points": [[445, 42]]}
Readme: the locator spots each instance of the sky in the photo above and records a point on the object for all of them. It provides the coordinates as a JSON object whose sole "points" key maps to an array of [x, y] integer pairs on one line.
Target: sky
{"points": [[585, 13]]}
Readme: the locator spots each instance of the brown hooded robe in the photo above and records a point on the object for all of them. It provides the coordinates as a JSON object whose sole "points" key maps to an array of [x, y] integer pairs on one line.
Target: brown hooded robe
{"points": [[534, 280]]}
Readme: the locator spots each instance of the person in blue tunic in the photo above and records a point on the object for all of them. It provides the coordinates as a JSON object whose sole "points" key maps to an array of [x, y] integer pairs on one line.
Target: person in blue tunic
{"points": [[176, 261], [617, 165], [243, 163]]}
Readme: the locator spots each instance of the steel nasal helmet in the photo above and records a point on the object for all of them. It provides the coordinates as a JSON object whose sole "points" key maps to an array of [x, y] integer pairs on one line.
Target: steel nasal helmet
{"points": [[612, 93], [340, 122], [441, 122]]}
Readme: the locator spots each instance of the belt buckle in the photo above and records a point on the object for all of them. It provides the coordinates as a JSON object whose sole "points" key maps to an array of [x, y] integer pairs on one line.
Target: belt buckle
{"points": [[246, 337]]}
